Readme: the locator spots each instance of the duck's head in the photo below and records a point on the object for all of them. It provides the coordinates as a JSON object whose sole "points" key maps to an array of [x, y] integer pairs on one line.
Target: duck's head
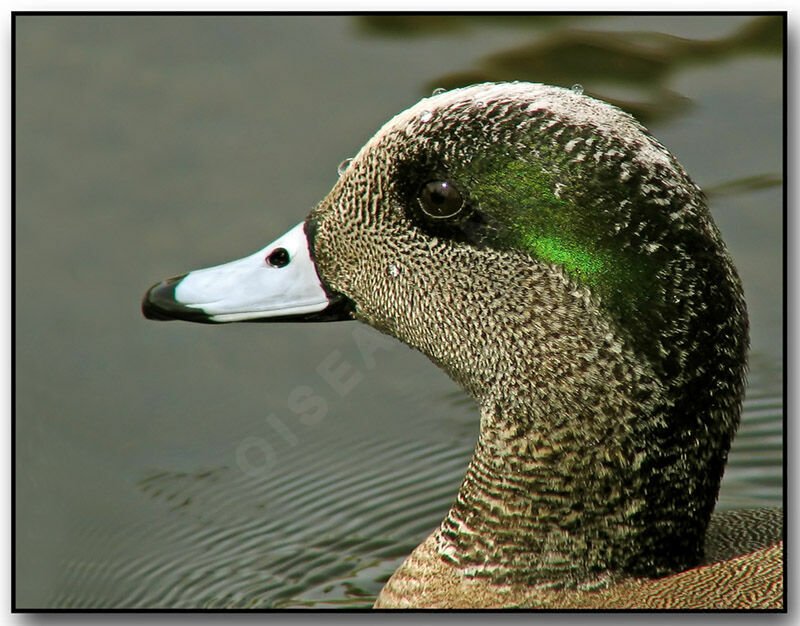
{"points": [[553, 258]]}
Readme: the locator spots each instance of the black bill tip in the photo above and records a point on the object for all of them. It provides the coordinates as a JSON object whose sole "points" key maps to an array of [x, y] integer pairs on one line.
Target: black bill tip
{"points": [[159, 303]]}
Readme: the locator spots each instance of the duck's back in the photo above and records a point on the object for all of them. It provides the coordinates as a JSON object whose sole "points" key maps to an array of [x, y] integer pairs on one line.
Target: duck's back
{"points": [[734, 533], [743, 569]]}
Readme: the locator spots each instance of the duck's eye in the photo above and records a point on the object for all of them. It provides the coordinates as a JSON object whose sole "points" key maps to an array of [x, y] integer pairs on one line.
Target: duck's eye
{"points": [[279, 257], [440, 199]]}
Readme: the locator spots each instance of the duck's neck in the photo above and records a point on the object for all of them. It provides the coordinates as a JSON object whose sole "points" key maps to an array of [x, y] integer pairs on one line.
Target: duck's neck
{"points": [[573, 498], [595, 461]]}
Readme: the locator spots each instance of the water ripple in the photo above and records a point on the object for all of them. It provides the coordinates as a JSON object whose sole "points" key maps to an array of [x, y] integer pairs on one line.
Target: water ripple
{"points": [[322, 530]]}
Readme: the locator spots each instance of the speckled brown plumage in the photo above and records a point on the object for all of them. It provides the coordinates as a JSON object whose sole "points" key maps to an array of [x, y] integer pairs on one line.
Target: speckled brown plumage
{"points": [[596, 318], [557, 262], [734, 533], [750, 581]]}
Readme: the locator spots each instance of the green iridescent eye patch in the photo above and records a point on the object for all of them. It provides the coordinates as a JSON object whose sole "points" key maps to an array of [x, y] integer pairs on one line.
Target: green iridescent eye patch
{"points": [[522, 198]]}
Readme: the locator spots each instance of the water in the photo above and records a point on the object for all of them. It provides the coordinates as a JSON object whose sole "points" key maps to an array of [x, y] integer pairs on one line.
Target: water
{"points": [[166, 465], [342, 167]]}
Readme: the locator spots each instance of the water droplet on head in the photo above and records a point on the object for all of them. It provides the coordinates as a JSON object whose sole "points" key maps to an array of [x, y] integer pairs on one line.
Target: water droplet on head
{"points": [[340, 169], [394, 271], [577, 88], [426, 116], [438, 90]]}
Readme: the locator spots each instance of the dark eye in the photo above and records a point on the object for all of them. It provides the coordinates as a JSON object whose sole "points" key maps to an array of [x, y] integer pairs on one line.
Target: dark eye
{"points": [[440, 199], [279, 257]]}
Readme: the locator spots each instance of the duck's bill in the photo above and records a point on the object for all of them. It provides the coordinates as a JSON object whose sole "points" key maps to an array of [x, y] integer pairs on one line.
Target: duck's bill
{"points": [[276, 284]]}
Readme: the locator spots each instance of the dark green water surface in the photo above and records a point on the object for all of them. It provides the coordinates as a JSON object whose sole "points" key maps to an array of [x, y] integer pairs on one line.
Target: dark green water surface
{"points": [[158, 465]]}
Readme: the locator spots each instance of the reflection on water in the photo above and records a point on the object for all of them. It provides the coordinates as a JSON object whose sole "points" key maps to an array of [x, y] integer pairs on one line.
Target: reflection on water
{"points": [[744, 185], [437, 25], [347, 501], [324, 531], [754, 474], [638, 61], [329, 532]]}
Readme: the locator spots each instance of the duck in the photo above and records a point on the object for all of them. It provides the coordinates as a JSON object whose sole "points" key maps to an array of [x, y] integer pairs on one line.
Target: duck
{"points": [[558, 263]]}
